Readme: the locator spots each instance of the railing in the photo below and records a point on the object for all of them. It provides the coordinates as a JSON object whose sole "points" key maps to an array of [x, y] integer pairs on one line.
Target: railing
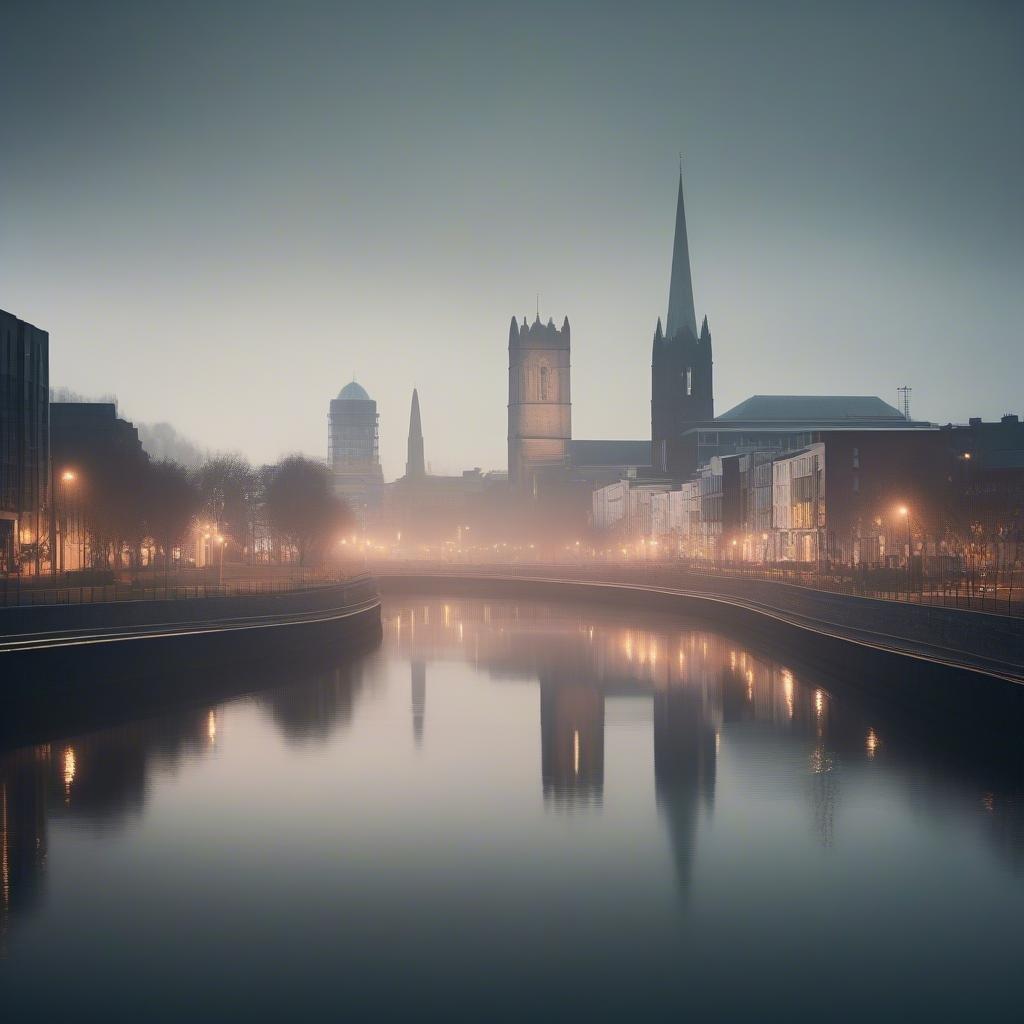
{"points": [[16, 591], [971, 591]]}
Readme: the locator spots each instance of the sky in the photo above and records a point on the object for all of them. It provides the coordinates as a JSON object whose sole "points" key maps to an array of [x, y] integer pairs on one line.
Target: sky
{"points": [[221, 212]]}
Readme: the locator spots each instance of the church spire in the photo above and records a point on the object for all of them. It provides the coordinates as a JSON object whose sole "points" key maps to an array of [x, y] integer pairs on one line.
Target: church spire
{"points": [[414, 468], [680, 295]]}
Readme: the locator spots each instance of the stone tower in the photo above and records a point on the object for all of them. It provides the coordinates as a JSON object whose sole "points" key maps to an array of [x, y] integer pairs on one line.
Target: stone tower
{"points": [[682, 386], [415, 468], [539, 406]]}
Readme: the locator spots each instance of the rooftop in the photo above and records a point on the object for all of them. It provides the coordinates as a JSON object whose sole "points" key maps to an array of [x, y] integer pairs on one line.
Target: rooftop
{"points": [[609, 453], [813, 409], [354, 391]]}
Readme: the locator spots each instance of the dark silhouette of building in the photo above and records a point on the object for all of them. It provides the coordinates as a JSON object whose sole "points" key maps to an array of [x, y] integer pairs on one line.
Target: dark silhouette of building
{"points": [[572, 741], [415, 469], [986, 473], [685, 761], [90, 431], [24, 442], [352, 449], [97, 460], [23, 834], [682, 386], [539, 403]]}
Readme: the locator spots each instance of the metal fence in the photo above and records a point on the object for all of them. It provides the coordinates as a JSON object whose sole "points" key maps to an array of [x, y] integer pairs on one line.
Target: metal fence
{"points": [[972, 591]]}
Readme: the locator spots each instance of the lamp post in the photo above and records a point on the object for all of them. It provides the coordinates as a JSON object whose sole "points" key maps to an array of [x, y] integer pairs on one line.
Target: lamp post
{"points": [[220, 561], [904, 512], [67, 480]]}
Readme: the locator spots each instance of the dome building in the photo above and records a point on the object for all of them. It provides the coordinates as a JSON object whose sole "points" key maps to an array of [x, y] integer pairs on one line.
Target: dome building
{"points": [[352, 449]]}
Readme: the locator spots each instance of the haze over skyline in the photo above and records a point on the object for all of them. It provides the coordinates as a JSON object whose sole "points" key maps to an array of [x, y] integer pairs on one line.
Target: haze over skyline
{"points": [[221, 212]]}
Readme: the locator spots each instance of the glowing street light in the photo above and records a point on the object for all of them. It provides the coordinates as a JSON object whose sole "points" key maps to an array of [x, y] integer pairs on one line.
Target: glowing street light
{"points": [[67, 478], [904, 513]]}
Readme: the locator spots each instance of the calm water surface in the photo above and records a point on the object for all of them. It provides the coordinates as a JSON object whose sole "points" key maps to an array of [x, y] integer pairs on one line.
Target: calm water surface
{"points": [[515, 809]]}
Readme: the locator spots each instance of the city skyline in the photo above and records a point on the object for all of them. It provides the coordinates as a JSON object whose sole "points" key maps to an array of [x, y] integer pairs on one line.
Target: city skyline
{"points": [[501, 502], [238, 198]]}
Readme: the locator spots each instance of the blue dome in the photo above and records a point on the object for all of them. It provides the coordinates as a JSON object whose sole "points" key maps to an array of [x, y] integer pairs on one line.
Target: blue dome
{"points": [[354, 390]]}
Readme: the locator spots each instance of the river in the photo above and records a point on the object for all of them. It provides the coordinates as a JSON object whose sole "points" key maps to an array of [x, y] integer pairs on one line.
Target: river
{"points": [[517, 809]]}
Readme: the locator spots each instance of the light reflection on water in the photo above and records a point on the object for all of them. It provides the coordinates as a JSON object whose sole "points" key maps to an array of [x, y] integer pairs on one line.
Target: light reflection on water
{"points": [[508, 806]]}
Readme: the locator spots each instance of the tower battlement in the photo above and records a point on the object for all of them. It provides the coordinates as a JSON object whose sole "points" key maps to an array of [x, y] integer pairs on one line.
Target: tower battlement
{"points": [[539, 403]]}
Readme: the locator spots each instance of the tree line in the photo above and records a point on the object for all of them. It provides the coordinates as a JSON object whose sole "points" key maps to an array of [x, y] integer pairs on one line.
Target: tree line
{"points": [[126, 510]]}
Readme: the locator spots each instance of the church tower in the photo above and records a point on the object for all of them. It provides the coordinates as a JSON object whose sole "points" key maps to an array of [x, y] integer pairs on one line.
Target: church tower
{"points": [[682, 391], [414, 465], [539, 407]]}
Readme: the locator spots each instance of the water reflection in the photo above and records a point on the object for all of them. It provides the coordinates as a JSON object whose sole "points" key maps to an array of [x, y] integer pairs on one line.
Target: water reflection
{"points": [[788, 730], [714, 728], [311, 710], [101, 780], [419, 699], [98, 781]]}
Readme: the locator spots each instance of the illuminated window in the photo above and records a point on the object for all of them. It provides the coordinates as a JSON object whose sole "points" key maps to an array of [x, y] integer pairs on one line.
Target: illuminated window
{"points": [[543, 383], [689, 381]]}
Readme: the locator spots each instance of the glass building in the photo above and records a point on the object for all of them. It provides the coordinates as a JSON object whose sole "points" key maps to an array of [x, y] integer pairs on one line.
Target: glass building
{"points": [[24, 444]]}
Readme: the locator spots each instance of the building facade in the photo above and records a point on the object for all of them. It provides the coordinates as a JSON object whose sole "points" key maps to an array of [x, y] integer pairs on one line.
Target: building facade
{"points": [[539, 404], [96, 457], [353, 455], [625, 507], [24, 444]]}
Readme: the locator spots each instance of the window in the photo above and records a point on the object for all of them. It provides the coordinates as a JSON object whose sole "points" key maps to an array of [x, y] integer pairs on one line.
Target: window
{"points": [[856, 458], [689, 381], [543, 383]]}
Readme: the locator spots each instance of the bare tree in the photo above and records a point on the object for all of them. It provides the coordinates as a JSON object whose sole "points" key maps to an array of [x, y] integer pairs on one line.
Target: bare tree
{"points": [[170, 502], [301, 507], [226, 484]]}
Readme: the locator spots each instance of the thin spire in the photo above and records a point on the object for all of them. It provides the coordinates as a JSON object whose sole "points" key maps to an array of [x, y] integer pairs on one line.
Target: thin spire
{"points": [[680, 294], [414, 462]]}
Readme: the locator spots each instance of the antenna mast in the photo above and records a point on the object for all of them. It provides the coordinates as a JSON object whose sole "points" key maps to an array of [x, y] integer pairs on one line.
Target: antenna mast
{"points": [[905, 400]]}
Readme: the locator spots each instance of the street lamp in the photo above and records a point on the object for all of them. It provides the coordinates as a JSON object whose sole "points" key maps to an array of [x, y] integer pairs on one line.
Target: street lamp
{"points": [[220, 565], [67, 479], [904, 513]]}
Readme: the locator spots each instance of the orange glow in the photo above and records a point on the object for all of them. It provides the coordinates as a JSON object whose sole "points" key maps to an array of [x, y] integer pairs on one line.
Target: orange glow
{"points": [[69, 772], [871, 743]]}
